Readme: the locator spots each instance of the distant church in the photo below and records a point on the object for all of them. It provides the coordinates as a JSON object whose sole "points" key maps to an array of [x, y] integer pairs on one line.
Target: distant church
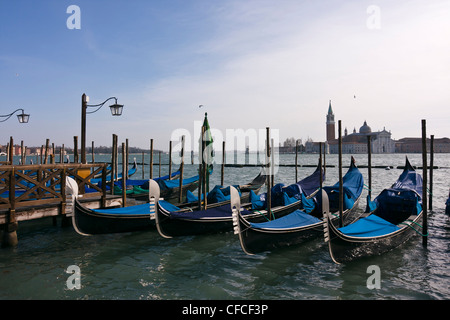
{"points": [[356, 142]]}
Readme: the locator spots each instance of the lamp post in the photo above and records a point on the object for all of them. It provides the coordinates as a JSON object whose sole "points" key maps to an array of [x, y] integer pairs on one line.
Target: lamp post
{"points": [[116, 110], [22, 117]]}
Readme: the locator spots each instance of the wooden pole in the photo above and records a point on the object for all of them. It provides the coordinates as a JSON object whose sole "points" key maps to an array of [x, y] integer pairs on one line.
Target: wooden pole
{"points": [[272, 163], [151, 158], [143, 166], [296, 161], [93, 153], [223, 164], [116, 154], [83, 127], [127, 158], [75, 149], [22, 153], [11, 150], [113, 163], [341, 187], [9, 236], [180, 198], [321, 168], [320, 164], [160, 163], [104, 185], [61, 154], [268, 183], [424, 185], [369, 164], [124, 176], [170, 161], [430, 202], [47, 142]]}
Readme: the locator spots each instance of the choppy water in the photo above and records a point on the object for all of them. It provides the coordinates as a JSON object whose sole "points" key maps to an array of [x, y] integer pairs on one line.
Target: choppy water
{"points": [[143, 265]]}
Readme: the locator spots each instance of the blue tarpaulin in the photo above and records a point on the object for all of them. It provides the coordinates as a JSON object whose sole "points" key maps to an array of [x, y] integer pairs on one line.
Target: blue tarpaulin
{"points": [[217, 194], [370, 226], [170, 184], [132, 210], [295, 219], [311, 183], [280, 196], [138, 209], [353, 183]]}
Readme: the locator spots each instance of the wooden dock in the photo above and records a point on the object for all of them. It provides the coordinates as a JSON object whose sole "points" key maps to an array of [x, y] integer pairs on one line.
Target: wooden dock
{"points": [[30, 192]]}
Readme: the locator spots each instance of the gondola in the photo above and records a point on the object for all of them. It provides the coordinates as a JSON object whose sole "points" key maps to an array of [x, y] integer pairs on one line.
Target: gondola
{"points": [[218, 217], [394, 218], [302, 224], [109, 220], [255, 185]]}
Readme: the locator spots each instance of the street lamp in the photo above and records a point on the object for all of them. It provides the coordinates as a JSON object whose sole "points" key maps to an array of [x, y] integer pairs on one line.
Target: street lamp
{"points": [[116, 110], [23, 117]]}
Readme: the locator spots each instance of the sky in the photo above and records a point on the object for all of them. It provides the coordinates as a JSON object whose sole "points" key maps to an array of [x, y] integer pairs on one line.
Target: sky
{"points": [[251, 64]]}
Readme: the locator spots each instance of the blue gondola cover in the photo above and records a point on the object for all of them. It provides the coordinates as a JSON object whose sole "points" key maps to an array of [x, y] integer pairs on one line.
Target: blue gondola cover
{"points": [[370, 226], [295, 219]]}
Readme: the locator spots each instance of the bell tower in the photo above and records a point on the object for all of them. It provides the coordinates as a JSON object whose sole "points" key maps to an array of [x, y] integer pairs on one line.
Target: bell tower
{"points": [[331, 131]]}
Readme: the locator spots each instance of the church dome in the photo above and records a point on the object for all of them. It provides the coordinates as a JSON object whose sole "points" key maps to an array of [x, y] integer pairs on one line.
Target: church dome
{"points": [[365, 129]]}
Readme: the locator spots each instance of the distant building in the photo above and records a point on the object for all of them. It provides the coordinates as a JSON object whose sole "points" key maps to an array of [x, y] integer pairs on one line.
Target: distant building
{"points": [[414, 145], [290, 144], [356, 142], [331, 130], [313, 147]]}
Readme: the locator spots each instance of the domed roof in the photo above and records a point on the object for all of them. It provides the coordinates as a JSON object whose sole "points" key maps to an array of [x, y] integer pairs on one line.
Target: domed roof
{"points": [[365, 129]]}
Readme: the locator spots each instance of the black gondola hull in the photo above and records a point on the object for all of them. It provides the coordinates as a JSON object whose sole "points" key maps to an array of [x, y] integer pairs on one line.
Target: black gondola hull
{"points": [[88, 222], [256, 241]]}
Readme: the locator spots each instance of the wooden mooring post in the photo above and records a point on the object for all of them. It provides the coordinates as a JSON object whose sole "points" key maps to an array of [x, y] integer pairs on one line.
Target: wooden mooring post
{"points": [[424, 185], [341, 186]]}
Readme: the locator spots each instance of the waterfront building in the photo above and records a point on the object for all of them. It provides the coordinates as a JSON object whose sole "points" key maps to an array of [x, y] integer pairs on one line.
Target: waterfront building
{"points": [[414, 145], [356, 142]]}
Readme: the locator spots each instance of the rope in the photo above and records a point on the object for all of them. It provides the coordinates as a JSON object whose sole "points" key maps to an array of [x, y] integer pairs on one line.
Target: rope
{"points": [[262, 215], [406, 224], [367, 187]]}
